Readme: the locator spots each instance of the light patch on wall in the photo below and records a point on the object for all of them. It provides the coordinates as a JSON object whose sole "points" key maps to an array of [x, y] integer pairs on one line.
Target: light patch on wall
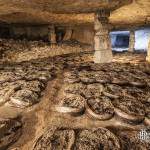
{"points": [[142, 38]]}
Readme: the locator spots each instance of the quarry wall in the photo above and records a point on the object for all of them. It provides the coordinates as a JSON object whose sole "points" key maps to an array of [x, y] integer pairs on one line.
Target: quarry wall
{"points": [[84, 35]]}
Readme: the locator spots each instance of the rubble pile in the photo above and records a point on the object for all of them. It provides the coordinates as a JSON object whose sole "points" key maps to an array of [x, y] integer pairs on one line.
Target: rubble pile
{"points": [[23, 50]]}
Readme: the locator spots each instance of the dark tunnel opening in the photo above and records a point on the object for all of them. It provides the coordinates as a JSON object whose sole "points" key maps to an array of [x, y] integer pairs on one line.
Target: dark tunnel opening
{"points": [[122, 41]]}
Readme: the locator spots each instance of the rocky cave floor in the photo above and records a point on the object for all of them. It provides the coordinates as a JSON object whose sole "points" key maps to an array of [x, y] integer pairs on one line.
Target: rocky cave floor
{"points": [[68, 102]]}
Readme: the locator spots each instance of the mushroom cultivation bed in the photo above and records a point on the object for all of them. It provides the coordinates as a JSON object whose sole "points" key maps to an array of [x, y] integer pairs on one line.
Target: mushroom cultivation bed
{"points": [[92, 139], [23, 50], [108, 92], [78, 139], [22, 84], [95, 106]]}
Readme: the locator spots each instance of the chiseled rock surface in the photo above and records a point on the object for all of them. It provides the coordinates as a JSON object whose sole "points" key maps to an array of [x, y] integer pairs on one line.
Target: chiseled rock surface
{"points": [[61, 6], [135, 14], [43, 11], [69, 12]]}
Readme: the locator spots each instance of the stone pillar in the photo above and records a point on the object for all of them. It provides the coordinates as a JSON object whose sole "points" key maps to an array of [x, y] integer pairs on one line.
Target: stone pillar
{"points": [[52, 35], [102, 44], [1, 49], [131, 41], [68, 34], [148, 52]]}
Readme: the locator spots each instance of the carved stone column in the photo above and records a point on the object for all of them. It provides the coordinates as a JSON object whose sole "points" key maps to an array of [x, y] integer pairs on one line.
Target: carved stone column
{"points": [[102, 44], [131, 41], [148, 52], [52, 35], [68, 34]]}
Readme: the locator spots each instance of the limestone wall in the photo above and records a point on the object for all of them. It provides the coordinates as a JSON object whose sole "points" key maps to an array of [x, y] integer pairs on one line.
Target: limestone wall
{"points": [[84, 35], [30, 32]]}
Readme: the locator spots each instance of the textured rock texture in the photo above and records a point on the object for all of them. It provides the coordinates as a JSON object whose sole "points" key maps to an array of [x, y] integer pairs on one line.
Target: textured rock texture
{"points": [[136, 13], [46, 12], [84, 34], [42, 11], [62, 6]]}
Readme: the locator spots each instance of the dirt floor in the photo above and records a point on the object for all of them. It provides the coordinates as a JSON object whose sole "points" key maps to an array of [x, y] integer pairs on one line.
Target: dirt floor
{"points": [[87, 103]]}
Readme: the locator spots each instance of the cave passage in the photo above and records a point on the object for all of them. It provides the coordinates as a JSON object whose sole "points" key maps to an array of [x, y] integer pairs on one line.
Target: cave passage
{"points": [[122, 41]]}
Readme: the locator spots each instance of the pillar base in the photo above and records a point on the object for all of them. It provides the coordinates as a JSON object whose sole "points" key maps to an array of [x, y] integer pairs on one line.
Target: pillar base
{"points": [[131, 50], [148, 59], [103, 56]]}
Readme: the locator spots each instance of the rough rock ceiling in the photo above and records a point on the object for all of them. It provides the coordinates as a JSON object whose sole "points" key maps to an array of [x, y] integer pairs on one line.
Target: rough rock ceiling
{"points": [[48, 18], [135, 14], [60, 6], [44, 11], [74, 12]]}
